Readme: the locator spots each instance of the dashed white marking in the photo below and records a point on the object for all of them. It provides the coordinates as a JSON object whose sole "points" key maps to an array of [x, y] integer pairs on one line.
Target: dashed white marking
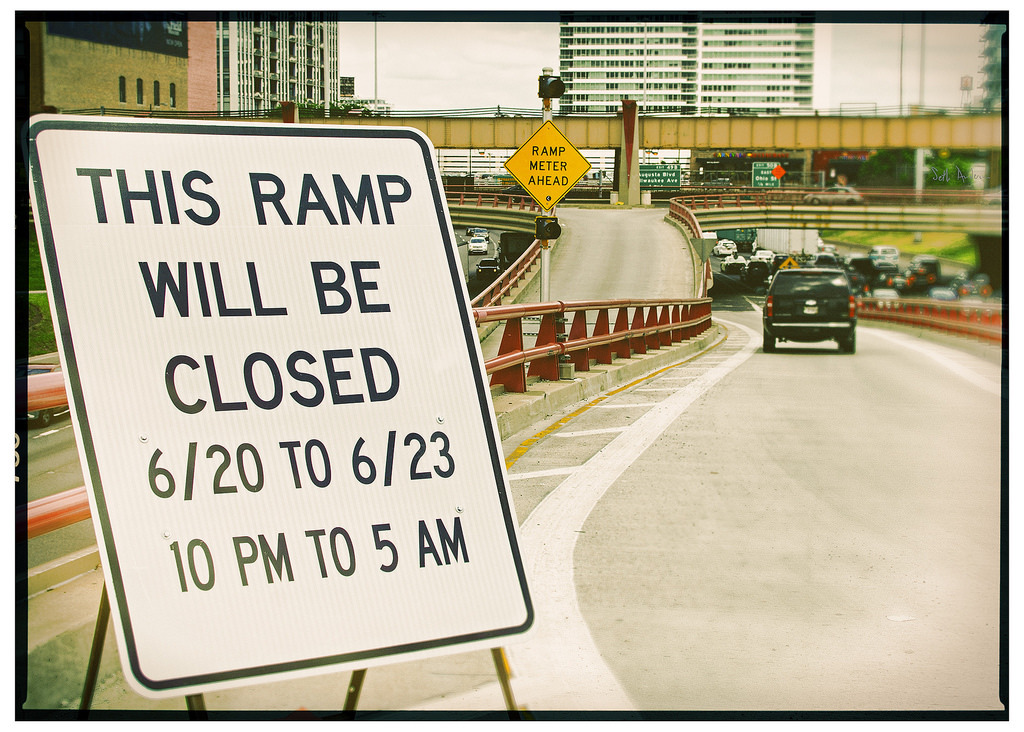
{"points": [[51, 432], [627, 406], [540, 473], [585, 433]]}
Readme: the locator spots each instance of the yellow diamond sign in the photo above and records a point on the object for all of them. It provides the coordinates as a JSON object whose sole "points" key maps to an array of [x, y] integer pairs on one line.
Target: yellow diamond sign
{"points": [[547, 166]]}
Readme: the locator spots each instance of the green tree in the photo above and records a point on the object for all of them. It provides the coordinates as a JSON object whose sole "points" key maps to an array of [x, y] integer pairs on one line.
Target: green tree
{"points": [[888, 169]]}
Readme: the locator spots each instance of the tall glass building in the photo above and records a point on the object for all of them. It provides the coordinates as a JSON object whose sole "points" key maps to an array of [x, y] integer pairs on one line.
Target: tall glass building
{"points": [[687, 63], [262, 61]]}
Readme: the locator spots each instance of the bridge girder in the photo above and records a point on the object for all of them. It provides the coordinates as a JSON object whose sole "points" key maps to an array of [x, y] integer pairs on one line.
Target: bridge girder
{"points": [[981, 132]]}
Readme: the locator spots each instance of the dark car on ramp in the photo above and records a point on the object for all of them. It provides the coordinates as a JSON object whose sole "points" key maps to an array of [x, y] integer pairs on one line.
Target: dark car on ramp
{"points": [[487, 269], [809, 305]]}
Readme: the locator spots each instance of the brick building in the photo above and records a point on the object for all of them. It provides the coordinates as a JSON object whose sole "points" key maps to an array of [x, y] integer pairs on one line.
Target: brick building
{"points": [[163, 64]]}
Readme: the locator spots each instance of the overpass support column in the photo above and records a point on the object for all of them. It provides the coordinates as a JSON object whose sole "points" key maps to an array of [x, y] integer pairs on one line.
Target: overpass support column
{"points": [[989, 249], [629, 159]]}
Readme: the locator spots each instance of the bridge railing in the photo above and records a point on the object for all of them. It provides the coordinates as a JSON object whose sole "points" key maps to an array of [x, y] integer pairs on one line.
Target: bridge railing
{"points": [[619, 329], [983, 321], [680, 211], [790, 196], [509, 279]]}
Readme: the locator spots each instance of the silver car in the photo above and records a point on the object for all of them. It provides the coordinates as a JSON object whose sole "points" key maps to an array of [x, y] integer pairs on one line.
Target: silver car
{"points": [[834, 194]]}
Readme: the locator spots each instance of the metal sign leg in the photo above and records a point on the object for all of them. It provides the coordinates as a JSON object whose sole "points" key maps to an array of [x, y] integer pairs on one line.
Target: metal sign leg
{"points": [[505, 680], [196, 707], [355, 686], [93, 670]]}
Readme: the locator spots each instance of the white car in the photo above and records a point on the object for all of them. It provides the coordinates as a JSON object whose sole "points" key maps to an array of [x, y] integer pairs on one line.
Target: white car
{"points": [[734, 263], [478, 245], [724, 248], [763, 255], [887, 255]]}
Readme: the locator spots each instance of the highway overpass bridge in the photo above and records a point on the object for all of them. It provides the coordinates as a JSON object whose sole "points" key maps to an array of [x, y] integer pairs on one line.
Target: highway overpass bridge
{"points": [[968, 132]]}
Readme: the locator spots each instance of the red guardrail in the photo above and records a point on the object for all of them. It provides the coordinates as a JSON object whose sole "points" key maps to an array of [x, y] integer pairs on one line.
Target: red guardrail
{"points": [[975, 320], [494, 200], [680, 212], [46, 391], [636, 327]]}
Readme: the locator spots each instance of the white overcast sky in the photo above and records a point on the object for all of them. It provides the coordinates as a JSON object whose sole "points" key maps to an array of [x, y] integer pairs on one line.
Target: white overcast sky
{"points": [[459, 64]]}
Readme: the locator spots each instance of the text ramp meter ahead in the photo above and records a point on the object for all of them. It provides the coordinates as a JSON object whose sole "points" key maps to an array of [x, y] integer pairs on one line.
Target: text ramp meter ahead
{"points": [[292, 459], [547, 166]]}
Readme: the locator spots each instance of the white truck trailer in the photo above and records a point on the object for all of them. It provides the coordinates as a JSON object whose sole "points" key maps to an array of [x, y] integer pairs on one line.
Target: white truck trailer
{"points": [[788, 241]]}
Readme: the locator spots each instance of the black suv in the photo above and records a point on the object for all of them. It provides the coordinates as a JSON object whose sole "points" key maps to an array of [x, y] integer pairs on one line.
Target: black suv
{"points": [[807, 305], [923, 273]]}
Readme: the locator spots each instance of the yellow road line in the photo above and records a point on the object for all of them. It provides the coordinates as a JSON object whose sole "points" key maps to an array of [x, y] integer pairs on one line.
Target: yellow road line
{"points": [[527, 444]]}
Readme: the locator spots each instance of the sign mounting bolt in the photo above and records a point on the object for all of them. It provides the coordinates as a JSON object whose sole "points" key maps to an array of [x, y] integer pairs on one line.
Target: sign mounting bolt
{"points": [[143, 439], [440, 419]]}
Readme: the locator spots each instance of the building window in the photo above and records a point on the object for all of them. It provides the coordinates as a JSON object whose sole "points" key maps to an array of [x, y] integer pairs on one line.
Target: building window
{"points": [[174, 96], [156, 93], [122, 89], [138, 91]]}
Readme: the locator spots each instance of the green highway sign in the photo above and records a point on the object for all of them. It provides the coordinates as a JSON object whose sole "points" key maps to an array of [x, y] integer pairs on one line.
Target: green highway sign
{"points": [[766, 175], [659, 176]]}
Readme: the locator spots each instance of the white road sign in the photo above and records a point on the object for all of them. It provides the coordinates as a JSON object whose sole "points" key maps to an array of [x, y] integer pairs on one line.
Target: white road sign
{"points": [[279, 398]]}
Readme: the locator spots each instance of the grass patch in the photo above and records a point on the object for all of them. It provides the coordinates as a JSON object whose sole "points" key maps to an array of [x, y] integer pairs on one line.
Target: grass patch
{"points": [[947, 245], [36, 281], [41, 338]]}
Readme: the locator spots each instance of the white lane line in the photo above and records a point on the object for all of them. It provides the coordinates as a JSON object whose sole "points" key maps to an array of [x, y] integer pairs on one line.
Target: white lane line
{"points": [[944, 357], [558, 655], [752, 304], [585, 433], [54, 431]]}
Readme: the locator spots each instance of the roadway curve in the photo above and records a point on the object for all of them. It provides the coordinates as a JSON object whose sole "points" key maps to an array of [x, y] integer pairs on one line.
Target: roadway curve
{"points": [[619, 253], [803, 530]]}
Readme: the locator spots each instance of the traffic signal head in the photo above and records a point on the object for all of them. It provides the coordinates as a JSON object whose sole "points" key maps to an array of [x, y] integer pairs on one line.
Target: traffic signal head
{"points": [[550, 87], [548, 228]]}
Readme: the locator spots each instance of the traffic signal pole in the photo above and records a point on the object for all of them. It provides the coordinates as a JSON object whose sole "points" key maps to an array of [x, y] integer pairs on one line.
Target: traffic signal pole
{"points": [[545, 244]]}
